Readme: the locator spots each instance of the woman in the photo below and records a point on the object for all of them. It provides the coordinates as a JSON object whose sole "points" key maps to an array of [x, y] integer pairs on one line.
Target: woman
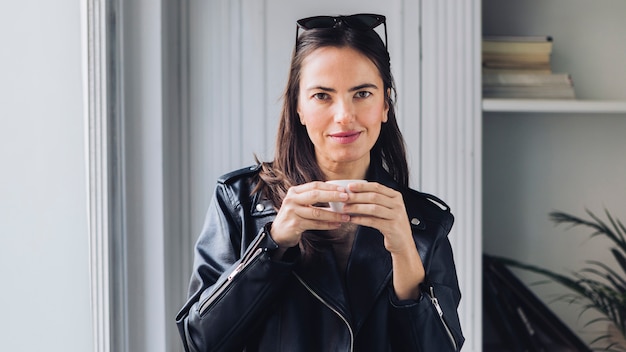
{"points": [[276, 270]]}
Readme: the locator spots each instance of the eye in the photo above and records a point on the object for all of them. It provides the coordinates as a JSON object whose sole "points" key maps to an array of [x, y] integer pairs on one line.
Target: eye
{"points": [[321, 96], [362, 94]]}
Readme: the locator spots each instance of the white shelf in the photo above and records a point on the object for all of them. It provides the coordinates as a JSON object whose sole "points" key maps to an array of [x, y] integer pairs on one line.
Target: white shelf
{"points": [[554, 106]]}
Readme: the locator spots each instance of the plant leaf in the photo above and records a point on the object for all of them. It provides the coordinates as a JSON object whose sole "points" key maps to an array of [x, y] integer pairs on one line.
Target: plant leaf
{"points": [[598, 286]]}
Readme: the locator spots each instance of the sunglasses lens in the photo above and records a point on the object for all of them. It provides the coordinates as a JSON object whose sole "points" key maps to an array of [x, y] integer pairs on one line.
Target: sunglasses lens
{"points": [[363, 22], [317, 22]]}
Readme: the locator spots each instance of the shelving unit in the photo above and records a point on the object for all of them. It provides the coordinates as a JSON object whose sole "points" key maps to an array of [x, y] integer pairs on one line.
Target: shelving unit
{"points": [[541, 155]]}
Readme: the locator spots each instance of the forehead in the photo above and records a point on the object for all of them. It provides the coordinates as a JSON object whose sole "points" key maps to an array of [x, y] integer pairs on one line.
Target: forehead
{"points": [[338, 63]]}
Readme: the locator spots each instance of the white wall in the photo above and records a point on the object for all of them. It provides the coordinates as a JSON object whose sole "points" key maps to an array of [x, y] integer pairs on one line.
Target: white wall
{"points": [[44, 264]]}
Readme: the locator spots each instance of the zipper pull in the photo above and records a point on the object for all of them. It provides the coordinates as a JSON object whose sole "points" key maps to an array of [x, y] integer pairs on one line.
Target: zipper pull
{"points": [[236, 271], [245, 261], [435, 301], [249, 256]]}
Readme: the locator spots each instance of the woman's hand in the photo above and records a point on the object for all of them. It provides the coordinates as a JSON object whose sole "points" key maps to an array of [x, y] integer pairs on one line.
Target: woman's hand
{"points": [[298, 213], [375, 205]]}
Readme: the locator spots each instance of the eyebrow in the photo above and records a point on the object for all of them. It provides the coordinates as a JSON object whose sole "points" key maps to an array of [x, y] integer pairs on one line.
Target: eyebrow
{"points": [[353, 89]]}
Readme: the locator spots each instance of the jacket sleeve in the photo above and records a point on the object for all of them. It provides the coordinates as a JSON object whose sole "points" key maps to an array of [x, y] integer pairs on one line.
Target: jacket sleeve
{"points": [[229, 291], [431, 323]]}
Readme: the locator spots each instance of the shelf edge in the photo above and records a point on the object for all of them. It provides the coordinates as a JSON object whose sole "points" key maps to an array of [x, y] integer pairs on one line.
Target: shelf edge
{"points": [[554, 106]]}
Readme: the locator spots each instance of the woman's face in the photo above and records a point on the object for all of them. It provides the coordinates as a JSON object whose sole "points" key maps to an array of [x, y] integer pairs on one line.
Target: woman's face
{"points": [[342, 105]]}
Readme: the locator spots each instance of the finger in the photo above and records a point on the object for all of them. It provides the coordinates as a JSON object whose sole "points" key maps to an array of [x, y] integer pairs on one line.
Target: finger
{"points": [[319, 219], [320, 198], [290, 224], [372, 187], [373, 198], [373, 192], [365, 220], [298, 204], [384, 226], [371, 210], [319, 185], [390, 229], [321, 214]]}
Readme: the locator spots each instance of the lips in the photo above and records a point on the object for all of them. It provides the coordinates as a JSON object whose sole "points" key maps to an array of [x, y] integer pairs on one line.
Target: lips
{"points": [[345, 137]]}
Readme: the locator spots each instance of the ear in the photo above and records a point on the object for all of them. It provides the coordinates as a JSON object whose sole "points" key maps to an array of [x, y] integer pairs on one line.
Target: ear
{"points": [[299, 114], [386, 110], [300, 117]]}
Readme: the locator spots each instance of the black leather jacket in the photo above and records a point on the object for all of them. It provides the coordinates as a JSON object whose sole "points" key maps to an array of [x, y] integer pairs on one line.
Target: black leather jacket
{"points": [[241, 300]]}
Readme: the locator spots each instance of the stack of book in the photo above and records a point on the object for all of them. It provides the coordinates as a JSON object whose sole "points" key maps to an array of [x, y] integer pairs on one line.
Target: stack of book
{"points": [[520, 67]]}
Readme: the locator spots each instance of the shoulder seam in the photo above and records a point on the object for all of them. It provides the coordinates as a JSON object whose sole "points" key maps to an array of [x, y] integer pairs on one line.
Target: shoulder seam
{"points": [[226, 178]]}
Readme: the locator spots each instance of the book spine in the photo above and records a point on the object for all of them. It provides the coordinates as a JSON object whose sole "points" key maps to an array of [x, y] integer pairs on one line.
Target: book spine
{"points": [[517, 47], [526, 79]]}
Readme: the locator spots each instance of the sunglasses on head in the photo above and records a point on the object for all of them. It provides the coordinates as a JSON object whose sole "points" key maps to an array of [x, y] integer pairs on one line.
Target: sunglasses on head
{"points": [[361, 22]]}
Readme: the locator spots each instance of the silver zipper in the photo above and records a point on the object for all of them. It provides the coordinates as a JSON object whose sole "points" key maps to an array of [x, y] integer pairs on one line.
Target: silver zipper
{"points": [[245, 262], [331, 308], [435, 303]]}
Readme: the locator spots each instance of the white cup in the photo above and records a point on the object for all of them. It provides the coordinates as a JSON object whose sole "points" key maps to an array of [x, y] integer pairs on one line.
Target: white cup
{"points": [[338, 206]]}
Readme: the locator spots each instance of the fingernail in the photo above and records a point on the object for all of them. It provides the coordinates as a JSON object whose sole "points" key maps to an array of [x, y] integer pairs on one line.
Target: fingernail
{"points": [[345, 217], [343, 196]]}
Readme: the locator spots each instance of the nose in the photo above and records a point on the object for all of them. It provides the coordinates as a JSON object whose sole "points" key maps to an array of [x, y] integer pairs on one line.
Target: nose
{"points": [[344, 111]]}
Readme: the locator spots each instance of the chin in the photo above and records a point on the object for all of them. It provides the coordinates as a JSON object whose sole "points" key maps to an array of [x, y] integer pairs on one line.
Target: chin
{"points": [[348, 158]]}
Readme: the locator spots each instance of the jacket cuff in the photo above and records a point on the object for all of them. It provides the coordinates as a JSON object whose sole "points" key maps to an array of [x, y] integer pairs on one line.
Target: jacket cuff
{"points": [[403, 303], [291, 255]]}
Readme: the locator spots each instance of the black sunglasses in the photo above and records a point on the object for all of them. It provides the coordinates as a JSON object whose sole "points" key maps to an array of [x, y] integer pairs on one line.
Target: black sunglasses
{"points": [[361, 21]]}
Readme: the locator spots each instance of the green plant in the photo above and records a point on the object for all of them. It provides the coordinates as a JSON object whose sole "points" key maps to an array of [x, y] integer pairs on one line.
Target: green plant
{"points": [[597, 286]]}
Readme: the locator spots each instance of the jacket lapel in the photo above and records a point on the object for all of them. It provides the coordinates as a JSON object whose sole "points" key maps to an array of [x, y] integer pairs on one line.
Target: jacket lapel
{"points": [[321, 276], [368, 273]]}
